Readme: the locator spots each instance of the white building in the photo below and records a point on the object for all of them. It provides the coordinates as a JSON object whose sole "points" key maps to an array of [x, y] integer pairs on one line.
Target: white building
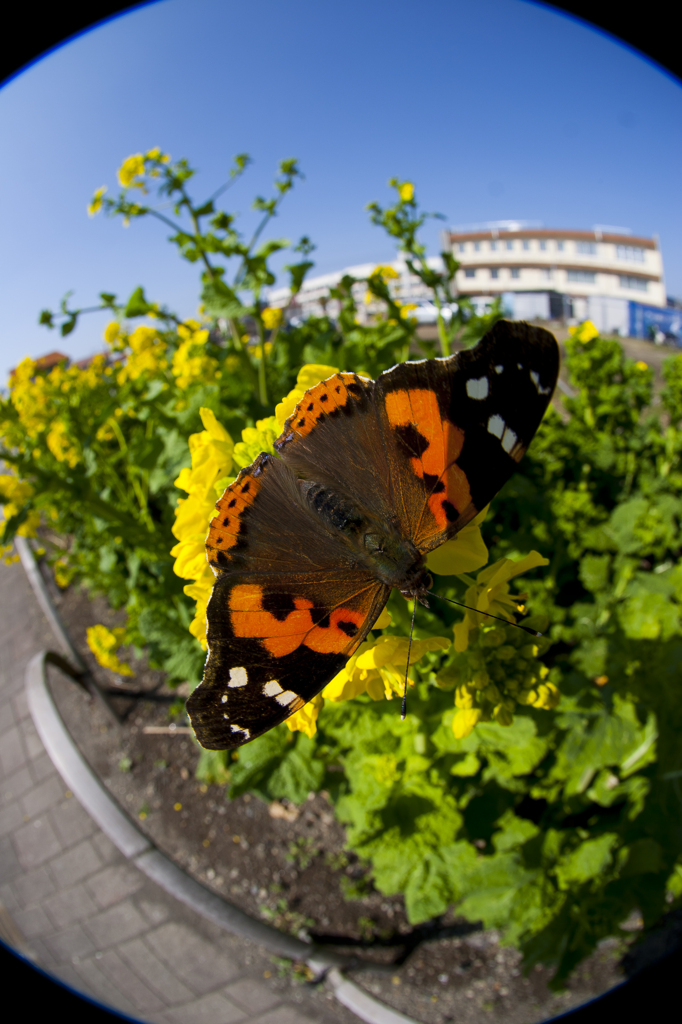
{"points": [[606, 275], [507, 258]]}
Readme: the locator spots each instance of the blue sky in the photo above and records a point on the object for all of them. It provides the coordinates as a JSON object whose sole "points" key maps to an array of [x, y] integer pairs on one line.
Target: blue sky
{"points": [[495, 108]]}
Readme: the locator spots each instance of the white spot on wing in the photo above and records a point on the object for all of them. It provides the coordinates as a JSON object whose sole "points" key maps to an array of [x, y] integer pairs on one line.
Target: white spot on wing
{"points": [[499, 369], [509, 440], [238, 728], [272, 688], [496, 426], [535, 377], [223, 698], [238, 677], [478, 388], [286, 697]]}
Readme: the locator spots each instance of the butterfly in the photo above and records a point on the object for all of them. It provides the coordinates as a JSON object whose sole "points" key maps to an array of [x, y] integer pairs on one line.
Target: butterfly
{"points": [[368, 478]]}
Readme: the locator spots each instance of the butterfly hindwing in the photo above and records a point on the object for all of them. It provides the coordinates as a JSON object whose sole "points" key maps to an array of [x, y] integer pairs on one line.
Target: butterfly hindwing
{"points": [[455, 429], [286, 612]]}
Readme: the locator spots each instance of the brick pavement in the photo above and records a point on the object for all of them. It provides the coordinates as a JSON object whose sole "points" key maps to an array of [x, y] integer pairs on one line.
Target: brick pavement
{"points": [[90, 917]]}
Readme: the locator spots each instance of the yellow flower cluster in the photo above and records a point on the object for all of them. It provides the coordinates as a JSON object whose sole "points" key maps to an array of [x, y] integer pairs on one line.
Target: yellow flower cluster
{"points": [[272, 317], [104, 643], [406, 192], [96, 203], [147, 355], [14, 493], [584, 332], [211, 451], [61, 444], [490, 593], [191, 364], [135, 167], [30, 396]]}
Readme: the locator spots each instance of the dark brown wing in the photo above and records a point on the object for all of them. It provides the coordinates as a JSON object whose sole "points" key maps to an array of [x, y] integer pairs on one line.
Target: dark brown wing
{"points": [[455, 429], [288, 609]]}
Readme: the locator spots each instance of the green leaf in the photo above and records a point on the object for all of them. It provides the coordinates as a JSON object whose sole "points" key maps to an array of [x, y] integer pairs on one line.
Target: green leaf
{"points": [[137, 304], [12, 524], [589, 860]]}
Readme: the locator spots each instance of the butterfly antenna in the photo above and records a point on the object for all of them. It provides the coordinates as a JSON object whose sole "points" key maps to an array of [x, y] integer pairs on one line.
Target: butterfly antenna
{"points": [[526, 629], [403, 709]]}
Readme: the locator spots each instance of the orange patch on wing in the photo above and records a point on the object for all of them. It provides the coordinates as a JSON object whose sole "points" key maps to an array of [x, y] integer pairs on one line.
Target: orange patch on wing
{"points": [[248, 618], [419, 407], [334, 638], [225, 526], [334, 393]]}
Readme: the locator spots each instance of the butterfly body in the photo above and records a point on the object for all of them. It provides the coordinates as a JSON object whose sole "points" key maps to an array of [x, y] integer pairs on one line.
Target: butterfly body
{"points": [[367, 479]]}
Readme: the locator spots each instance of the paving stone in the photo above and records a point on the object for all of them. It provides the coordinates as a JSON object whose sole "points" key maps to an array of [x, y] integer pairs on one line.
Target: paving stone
{"points": [[19, 701], [15, 785], [35, 843], [76, 864], [114, 883], [69, 943], [210, 1009], [41, 797], [155, 912], [68, 974], [42, 768], [126, 980], [70, 905], [118, 923], [105, 848], [32, 741], [252, 995], [12, 752], [102, 988], [33, 922], [10, 867], [196, 961], [33, 887], [8, 897], [157, 975], [71, 822], [283, 1015], [7, 719], [10, 818]]}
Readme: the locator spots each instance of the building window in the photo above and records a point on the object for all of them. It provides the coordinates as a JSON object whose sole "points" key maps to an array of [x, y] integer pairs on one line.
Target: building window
{"points": [[585, 276], [510, 245], [462, 247], [494, 272], [547, 273], [543, 244], [586, 248], [515, 272], [493, 246], [526, 244], [630, 252], [469, 272], [560, 246], [637, 284], [477, 246]]}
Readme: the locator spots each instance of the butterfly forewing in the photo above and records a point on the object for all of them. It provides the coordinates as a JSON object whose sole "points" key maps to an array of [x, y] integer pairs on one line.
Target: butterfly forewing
{"points": [[456, 428]]}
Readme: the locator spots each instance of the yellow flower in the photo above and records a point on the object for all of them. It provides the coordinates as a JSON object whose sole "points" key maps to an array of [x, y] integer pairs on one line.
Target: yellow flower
{"points": [[14, 493], [147, 355], [466, 552], [308, 376], [96, 203], [272, 317], [112, 333], [377, 668], [191, 364], [465, 721], [491, 593], [61, 445], [211, 452], [385, 272], [641, 365], [156, 154], [585, 332], [103, 643], [406, 309], [406, 192], [131, 168]]}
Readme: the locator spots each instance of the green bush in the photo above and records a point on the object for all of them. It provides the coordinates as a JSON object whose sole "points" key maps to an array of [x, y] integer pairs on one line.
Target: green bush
{"points": [[551, 823]]}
